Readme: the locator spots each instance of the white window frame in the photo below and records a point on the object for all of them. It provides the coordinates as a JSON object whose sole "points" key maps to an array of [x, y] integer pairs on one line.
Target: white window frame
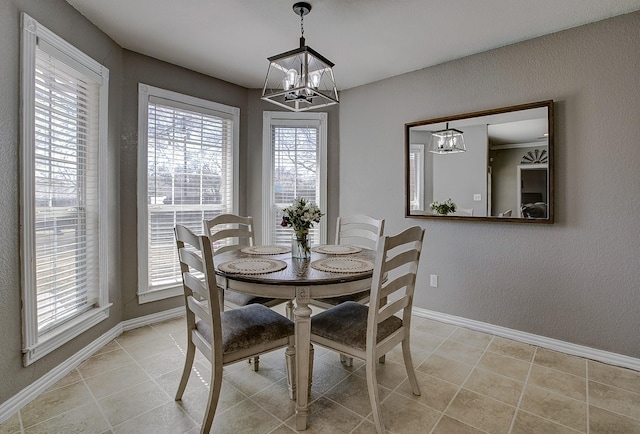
{"points": [[145, 92], [418, 201], [37, 345], [271, 118]]}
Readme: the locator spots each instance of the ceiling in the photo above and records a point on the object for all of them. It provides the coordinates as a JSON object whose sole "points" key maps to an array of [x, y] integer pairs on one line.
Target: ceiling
{"points": [[368, 40]]}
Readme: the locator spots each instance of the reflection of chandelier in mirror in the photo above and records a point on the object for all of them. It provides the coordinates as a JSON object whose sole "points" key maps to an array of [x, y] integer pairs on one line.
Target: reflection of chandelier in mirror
{"points": [[447, 141], [300, 79]]}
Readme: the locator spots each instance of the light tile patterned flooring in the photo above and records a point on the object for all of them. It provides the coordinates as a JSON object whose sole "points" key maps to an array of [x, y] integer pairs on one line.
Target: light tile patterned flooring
{"points": [[471, 383]]}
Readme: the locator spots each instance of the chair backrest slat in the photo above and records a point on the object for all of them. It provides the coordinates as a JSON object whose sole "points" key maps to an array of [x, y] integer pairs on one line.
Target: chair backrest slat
{"points": [[191, 259], [395, 284], [390, 309], [195, 285], [198, 308], [400, 259]]}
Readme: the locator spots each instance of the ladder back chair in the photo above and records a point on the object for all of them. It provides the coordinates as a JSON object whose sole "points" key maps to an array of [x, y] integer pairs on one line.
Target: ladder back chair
{"points": [[223, 337], [229, 232], [368, 333], [361, 231]]}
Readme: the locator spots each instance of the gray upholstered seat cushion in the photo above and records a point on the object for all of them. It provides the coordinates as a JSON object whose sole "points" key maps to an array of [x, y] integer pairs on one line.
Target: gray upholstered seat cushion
{"points": [[334, 301], [249, 326], [240, 299], [347, 324]]}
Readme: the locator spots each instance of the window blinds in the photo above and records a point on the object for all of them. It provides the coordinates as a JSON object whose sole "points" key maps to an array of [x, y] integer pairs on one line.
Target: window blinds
{"points": [[295, 173], [66, 191], [190, 178]]}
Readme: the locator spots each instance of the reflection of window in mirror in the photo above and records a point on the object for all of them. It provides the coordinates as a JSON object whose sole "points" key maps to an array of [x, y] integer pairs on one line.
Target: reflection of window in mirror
{"points": [[416, 180]]}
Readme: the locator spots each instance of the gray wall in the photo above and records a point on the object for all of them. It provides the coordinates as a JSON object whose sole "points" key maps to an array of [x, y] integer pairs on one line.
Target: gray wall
{"points": [[577, 280]]}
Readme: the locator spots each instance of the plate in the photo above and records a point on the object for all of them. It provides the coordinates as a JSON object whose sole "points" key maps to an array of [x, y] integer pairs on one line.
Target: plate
{"points": [[252, 266], [342, 265], [338, 249], [265, 250]]}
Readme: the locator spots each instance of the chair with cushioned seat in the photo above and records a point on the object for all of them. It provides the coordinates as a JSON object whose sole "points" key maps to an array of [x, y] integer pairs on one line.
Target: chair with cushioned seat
{"points": [[368, 333], [223, 337], [357, 230], [228, 232]]}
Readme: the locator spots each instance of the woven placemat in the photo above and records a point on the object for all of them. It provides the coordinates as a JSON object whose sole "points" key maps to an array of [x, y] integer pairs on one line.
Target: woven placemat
{"points": [[338, 249], [342, 265], [252, 266], [265, 250]]}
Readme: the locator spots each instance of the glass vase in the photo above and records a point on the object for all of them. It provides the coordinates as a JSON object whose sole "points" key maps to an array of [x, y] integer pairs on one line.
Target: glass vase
{"points": [[300, 247]]}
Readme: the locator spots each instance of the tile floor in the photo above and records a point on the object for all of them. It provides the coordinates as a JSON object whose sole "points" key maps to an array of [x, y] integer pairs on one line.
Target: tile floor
{"points": [[471, 383]]}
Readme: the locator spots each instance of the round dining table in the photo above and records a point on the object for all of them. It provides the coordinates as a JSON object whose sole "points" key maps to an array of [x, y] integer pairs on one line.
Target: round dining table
{"points": [[331, 271]]}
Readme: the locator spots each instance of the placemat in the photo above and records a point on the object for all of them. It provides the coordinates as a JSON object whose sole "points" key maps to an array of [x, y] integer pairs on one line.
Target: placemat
{"points": [[252, 266], [265, 250], [342, 265], [338, 249]]}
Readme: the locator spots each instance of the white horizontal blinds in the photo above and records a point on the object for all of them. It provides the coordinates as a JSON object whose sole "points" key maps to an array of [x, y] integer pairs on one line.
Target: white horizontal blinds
{"points": [[190, 178], [295, 173], [66, 191]]}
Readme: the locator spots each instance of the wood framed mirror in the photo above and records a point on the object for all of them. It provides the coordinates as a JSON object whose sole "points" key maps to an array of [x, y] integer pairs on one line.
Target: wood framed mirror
{"points": [[506, 173]]}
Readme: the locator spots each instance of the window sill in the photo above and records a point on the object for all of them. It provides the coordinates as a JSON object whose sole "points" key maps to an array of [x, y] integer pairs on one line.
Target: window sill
{"points": [[159, 294], [59, 336]]}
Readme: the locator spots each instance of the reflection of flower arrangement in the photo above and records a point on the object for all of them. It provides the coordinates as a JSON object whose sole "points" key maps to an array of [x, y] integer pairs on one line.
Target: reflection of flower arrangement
{"points": [[301, 216], [443, 208]]}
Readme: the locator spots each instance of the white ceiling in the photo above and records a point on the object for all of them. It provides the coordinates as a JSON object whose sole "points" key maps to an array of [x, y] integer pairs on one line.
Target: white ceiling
{"points": [[368, 40]]}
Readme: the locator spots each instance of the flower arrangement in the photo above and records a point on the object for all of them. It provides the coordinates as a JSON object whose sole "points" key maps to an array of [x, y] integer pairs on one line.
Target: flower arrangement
{"points": [[443, 208], [301, 216]]}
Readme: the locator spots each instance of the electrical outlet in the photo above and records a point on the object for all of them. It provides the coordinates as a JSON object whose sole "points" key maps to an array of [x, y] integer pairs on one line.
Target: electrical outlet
{"points": [[477, 197], [434, 280]]}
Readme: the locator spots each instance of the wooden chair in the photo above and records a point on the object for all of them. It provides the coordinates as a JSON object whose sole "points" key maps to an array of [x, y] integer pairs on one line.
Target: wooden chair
{"points": [[360, 231], [223, 337], [227, 232], [370, 332]]}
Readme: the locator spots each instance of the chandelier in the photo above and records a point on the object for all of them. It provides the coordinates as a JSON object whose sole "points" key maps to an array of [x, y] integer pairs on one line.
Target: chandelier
{"points": [[300, 79], [447, 141]]}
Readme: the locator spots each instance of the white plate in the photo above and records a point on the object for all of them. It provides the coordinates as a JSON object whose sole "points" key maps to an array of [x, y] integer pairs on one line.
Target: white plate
{"points": [[252, 266], [265, 250], [338, 249], [343, 265]]}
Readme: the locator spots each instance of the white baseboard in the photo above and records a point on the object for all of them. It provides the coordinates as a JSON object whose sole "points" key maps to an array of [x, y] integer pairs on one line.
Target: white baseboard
{"points": [[32, 391], [537, 340]]}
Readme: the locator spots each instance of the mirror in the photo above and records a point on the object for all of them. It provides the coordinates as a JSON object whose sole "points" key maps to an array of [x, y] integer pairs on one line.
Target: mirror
{"points": [[505, 174]]}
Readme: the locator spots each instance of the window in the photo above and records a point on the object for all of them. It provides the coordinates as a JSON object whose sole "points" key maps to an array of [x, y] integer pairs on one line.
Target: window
{"points": [[187, 169], [64, 161], [294, 165], [416, 179]]}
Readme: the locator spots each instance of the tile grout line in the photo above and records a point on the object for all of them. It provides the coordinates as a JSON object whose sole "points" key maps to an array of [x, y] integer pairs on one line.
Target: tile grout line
{"points": [[524, 387], [95, 400], [587, 393], [463, 382]]}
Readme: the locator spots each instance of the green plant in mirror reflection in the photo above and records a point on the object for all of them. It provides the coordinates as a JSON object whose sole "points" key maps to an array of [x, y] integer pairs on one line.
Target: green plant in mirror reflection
{"points": [[443, 208]]}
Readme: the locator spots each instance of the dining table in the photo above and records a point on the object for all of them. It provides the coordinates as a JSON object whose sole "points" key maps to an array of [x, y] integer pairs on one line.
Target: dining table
{"points": [[271, 271]]}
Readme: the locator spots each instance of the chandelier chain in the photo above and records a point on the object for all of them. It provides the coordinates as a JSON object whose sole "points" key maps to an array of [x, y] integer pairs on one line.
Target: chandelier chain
{"points": [[302, 23]]}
